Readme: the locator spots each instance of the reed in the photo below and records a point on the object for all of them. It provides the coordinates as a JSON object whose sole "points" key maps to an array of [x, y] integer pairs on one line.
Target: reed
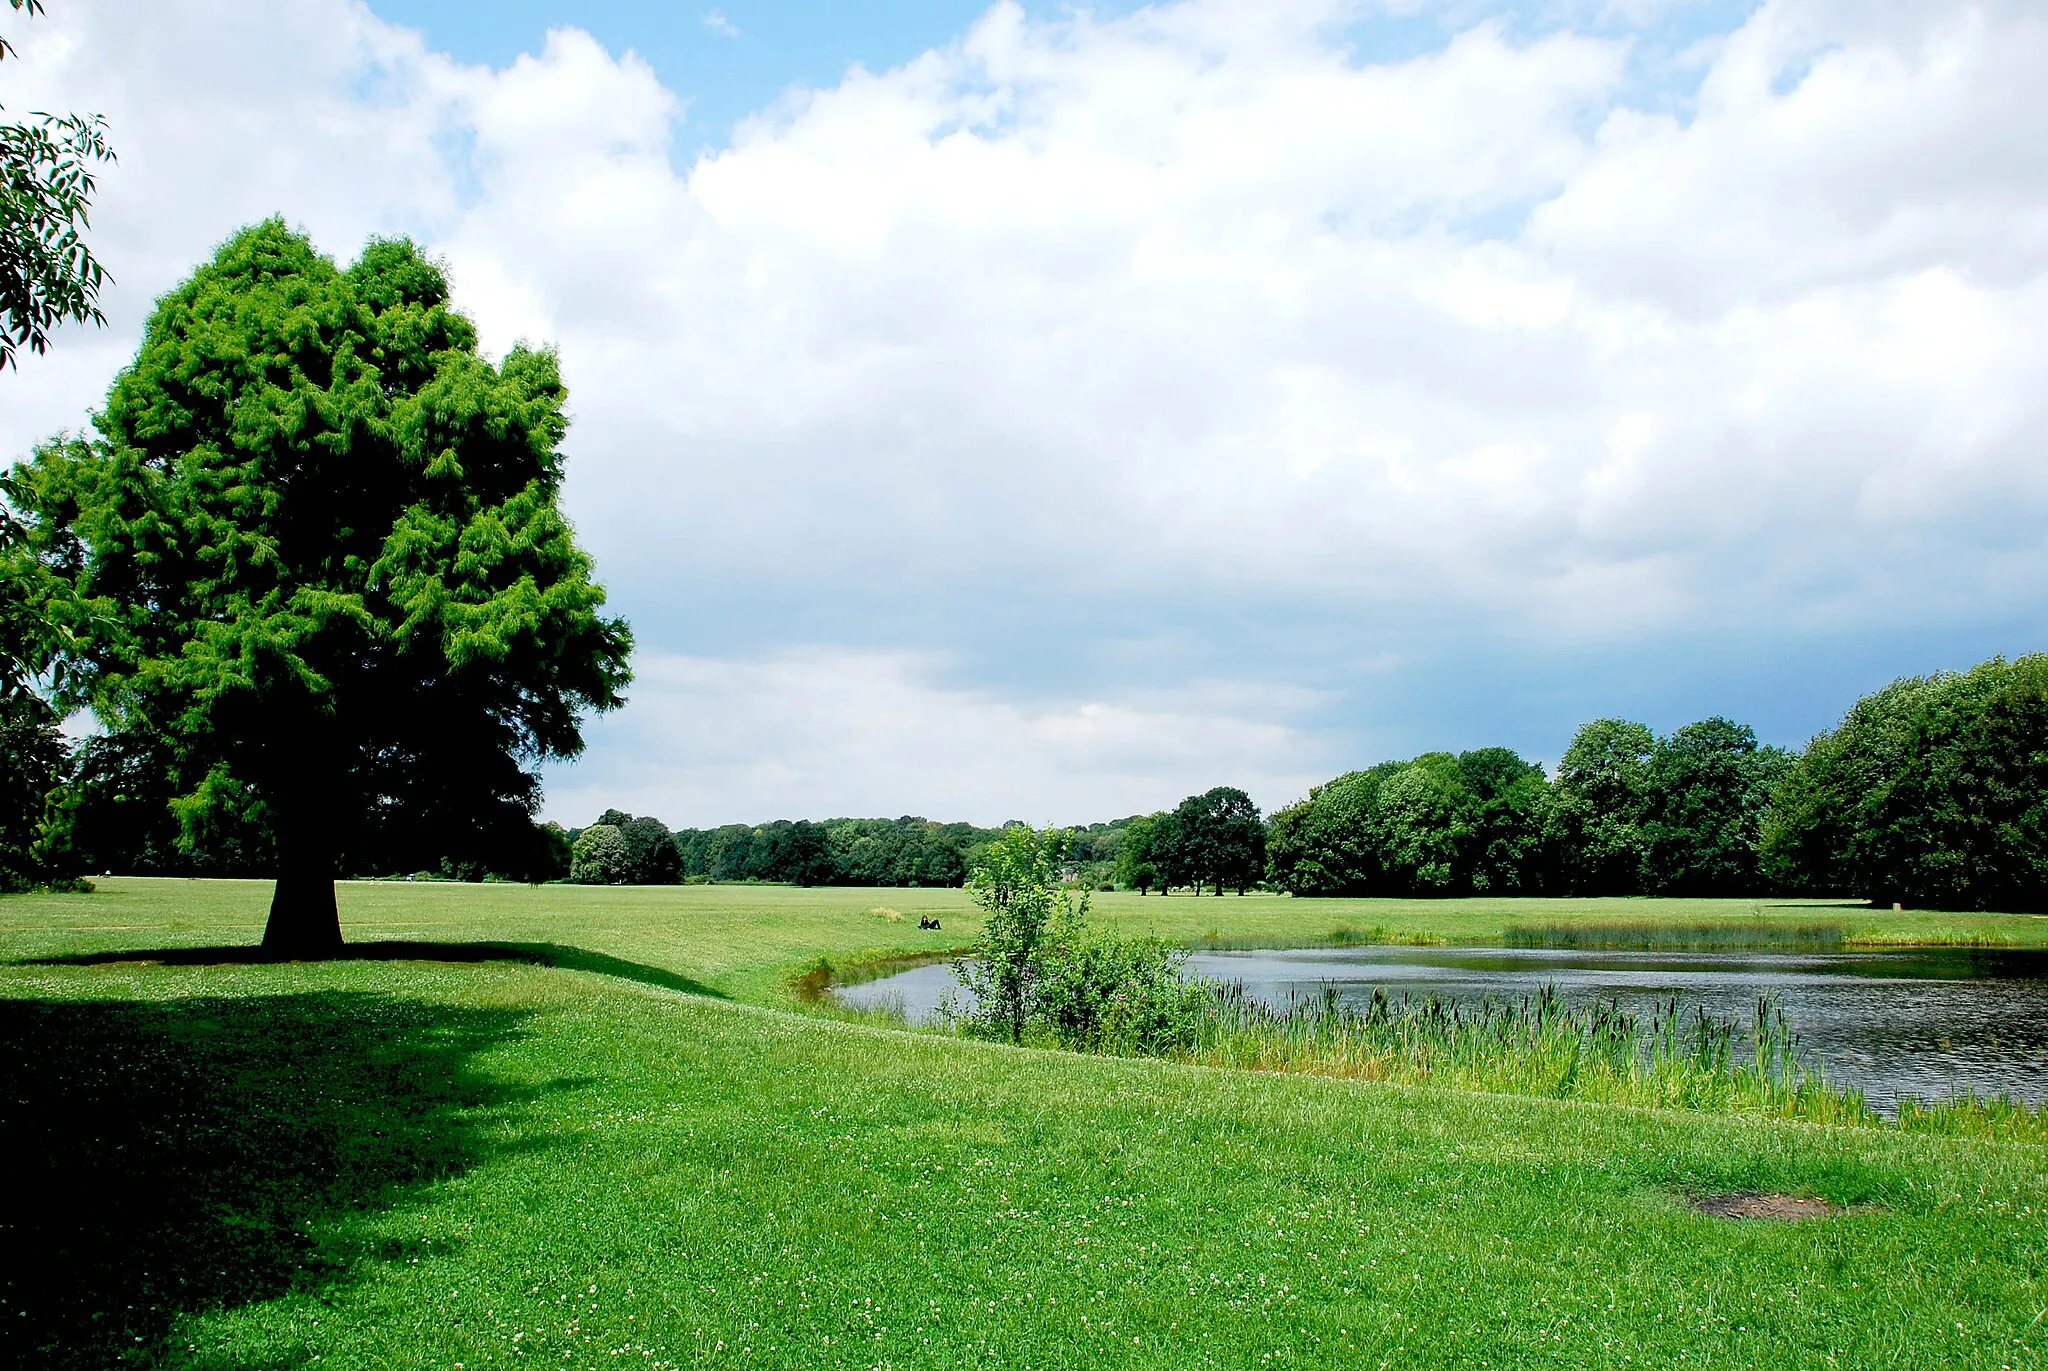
{"points": [[1664, 935], [1680, 1057]]}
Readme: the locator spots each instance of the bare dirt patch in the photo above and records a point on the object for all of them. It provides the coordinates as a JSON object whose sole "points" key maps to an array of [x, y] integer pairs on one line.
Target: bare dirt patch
{"points": [[1750, 1205]]}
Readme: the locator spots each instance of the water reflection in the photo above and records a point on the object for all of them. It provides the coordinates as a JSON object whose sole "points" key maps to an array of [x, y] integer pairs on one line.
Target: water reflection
{"points": [[1925, 1022]]}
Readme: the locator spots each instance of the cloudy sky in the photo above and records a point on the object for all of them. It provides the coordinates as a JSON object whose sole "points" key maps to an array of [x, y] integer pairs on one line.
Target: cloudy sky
{"points": [[1044, 412]]}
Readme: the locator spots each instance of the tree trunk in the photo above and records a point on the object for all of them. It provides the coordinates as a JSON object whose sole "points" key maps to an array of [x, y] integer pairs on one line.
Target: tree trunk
{"points": [[304, 922]]}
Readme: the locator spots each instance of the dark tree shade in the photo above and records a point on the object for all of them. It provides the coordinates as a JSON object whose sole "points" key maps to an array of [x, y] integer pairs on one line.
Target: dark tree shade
{"points": [[32, 762], [316, 552]]}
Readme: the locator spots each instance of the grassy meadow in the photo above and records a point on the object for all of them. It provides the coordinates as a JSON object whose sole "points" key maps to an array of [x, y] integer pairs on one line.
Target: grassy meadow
{"points": [[635, 1154]]}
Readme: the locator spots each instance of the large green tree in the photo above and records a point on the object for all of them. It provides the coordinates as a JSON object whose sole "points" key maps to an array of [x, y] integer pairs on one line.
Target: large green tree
{"points": [[1704, 795], [1136, 860], [1593, 817], [1932, 791], [314, 551], [1216, 837], [1436, 825]]}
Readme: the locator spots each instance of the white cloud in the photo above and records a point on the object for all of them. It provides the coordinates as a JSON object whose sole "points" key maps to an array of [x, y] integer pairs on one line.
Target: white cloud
{"points": [[716, 21], [830, 732], [1189, 306]]}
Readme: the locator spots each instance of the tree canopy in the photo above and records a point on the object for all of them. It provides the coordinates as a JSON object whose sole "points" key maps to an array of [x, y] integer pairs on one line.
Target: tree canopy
{"points": [[1216, 838], [313, 556], [1932, 791]]}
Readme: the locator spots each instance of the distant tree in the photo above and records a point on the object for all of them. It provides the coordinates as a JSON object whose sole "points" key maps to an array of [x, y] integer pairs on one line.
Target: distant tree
{"points": [[600, 857], [33, 756], [115, 815], [650, 852], [317, 557], [693, 849], [1176, 854], [730, 849], [1504, 845], [1136, 867], [1217, 838], [1593, 822], [809, 859], [47, 273], [1421, 820], [1704, 795], [556, 854], [1287, 844], [1236, 839], [1931, 792], [1332, 842]]}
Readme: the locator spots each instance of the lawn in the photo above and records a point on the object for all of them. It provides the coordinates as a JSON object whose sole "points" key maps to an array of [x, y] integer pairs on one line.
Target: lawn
{"points": [[437, 1163], [747, 941]]}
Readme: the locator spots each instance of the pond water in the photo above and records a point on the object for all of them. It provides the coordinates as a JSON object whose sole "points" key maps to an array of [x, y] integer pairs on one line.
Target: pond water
{"points": [[1926, 1022]]}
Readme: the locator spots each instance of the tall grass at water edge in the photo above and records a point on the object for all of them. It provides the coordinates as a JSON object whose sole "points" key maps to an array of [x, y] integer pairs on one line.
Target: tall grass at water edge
{"points": [[1680, 1057], [1685, 937], [1736, 935]]}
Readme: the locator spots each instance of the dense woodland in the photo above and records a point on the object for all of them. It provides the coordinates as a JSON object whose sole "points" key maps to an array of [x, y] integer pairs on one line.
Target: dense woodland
{"points": [[1931, 792]]}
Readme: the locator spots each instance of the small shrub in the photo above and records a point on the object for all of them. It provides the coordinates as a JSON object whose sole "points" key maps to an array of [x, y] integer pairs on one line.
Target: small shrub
{"points": [[1042, 973]]}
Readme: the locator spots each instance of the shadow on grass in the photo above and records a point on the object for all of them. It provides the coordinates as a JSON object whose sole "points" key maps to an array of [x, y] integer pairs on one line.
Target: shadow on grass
{"points": [[533, 954], [170, 1158]]}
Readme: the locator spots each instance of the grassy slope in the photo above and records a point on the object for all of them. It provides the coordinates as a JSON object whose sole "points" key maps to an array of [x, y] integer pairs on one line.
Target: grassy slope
{"points": [[406, 1164]]}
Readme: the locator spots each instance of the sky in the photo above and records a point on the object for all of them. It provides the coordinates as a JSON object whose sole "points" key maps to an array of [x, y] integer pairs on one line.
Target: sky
{"points": [[1030, 411]]}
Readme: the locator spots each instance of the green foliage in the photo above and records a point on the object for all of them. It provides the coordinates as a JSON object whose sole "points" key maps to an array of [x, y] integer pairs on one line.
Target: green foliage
{"points": [[1627, 813], [314, 550], [1932, 791], [1098, 991], [1137, 862], [557, 852], [1437, 825], [909, 851], [1043, 972], [116, 815], [47, 273], [1216, 839], [1593, 819], [652, 857], [600, 857], [1705, 792], [1016, 884], [1504, 843]]}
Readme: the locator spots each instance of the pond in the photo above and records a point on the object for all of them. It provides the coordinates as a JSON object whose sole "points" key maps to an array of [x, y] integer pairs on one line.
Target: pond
{"points": [[1926, 1022]]}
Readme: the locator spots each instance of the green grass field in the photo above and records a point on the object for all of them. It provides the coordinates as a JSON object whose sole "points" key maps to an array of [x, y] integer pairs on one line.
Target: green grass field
{"points": [[640, 1156]]}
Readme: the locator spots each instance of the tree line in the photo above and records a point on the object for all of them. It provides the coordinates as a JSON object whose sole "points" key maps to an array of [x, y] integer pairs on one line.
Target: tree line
{"points": [[1627, 813], [1931, 792], [622, 849]]}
